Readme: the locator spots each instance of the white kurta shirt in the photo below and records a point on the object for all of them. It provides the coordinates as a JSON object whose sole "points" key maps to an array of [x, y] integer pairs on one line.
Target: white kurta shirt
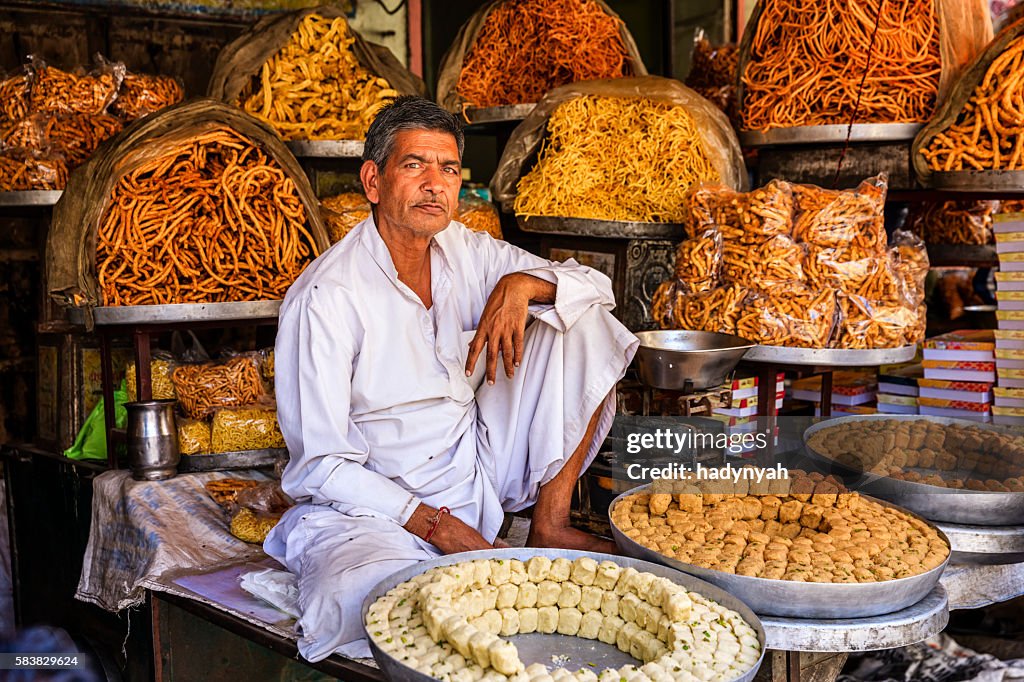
{"points": [[374, 405]]}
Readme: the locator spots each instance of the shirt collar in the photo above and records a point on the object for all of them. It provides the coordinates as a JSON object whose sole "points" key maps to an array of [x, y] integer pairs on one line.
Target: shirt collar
{"points": [[378, 250]]}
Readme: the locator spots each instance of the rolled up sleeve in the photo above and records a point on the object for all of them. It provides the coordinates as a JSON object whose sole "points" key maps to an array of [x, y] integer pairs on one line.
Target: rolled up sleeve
{"points": [[328, 454]]}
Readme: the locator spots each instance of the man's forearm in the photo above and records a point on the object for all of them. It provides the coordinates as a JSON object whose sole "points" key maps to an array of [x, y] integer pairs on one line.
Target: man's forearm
{"points": [[539, 290]]}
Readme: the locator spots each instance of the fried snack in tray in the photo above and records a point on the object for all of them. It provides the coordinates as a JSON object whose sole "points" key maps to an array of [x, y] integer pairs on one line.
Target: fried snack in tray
{"points": [[527, 47], [699, 260], [314, 88], [922, 451], [201, 388], [245, 428], [161, 386], [24, 169], [464, 612], [142, 94], [767, 264], [55, 90], [852, 220], [714, 310], [988, 134], [213, 219], [953, 222], [806, 64], [866, 323], [794, 316], [805, 529], [741, 217], [194, 436], [616, 158]]}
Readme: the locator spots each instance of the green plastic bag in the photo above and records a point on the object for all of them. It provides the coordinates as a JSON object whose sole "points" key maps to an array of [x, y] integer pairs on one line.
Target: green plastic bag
{"points": [[91, 442]]}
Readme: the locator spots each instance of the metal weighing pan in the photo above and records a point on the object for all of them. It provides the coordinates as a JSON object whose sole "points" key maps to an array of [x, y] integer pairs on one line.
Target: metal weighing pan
{"points": [[792, 599], [31, 197], [326, 149], [987, 545], [994, 181], [609, 229], [502, 114], [534, 648], [675, 360], [831, 357], [836, 134], [968, 507]]}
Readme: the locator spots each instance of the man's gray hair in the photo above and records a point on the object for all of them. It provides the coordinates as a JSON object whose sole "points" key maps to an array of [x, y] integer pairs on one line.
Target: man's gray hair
{"points": [[408, 112]]}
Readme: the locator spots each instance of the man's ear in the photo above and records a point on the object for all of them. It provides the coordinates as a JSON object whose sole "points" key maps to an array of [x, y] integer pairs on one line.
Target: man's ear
{"points": [[369, 174]]}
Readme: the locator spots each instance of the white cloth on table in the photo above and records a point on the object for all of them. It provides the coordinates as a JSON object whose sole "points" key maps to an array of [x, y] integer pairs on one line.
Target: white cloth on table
{"points": [[379, 415]]}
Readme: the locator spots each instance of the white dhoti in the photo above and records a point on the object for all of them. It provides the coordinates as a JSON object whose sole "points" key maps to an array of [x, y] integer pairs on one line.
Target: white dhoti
{"points": [[524, 431]]}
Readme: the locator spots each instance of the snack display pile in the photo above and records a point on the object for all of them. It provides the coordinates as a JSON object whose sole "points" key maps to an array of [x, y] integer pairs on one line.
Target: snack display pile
{"points": [[616, 158], [52, 120], [796, 265], [954, 456], [805, 530], [449, 622], [314, 88]]}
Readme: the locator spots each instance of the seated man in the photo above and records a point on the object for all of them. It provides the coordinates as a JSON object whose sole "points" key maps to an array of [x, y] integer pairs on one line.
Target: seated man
{"points": [[381, 396]]}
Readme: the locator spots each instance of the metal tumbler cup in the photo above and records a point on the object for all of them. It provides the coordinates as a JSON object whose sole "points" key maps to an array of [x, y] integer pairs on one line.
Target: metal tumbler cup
{"points": [[152, 440]]}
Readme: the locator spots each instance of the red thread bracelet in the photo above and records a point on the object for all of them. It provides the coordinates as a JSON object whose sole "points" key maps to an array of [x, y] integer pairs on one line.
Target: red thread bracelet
{"points": [[435, 522]]}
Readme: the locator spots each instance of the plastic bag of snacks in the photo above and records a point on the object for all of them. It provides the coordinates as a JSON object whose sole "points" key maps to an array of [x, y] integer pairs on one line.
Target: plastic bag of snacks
{"points": [[235, 382], [24, 169], [798, 317], [343, 212], [161, 386], [909, 257], [745, 218], [247, 428], [143, 94], [248, 526], [872, 277], [479, 215], [14, 97], [715, 310], [849, 219], [194, 436], [773, 262], [864, 323], [52, 89], [699, 260]]}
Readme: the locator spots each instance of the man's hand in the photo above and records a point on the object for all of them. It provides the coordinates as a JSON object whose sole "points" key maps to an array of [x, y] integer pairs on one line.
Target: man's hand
{"points": [[452, 534], [503, 322]]}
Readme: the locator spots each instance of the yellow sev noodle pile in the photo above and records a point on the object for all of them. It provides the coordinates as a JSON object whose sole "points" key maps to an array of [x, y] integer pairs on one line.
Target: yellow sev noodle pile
{"points": [[314, 88], [612, 158]]}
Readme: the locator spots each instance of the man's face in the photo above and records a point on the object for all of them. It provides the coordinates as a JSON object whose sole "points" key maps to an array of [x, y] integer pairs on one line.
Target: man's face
{"points": [[418, 189]]}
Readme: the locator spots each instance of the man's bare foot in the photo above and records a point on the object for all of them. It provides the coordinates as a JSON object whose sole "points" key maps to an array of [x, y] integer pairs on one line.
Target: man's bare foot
{"points": [[570, 538]]}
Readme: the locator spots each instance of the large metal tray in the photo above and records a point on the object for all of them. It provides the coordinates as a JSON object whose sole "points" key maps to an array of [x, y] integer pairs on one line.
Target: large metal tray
{"points": [[326, 149], [608, 229], [830, 134], [184, 312], [830, 357], [33, 197], [502, 114], [792, 599], [995, 181], [539, 649], [987, 545], [934, 503], [231, 461]]}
